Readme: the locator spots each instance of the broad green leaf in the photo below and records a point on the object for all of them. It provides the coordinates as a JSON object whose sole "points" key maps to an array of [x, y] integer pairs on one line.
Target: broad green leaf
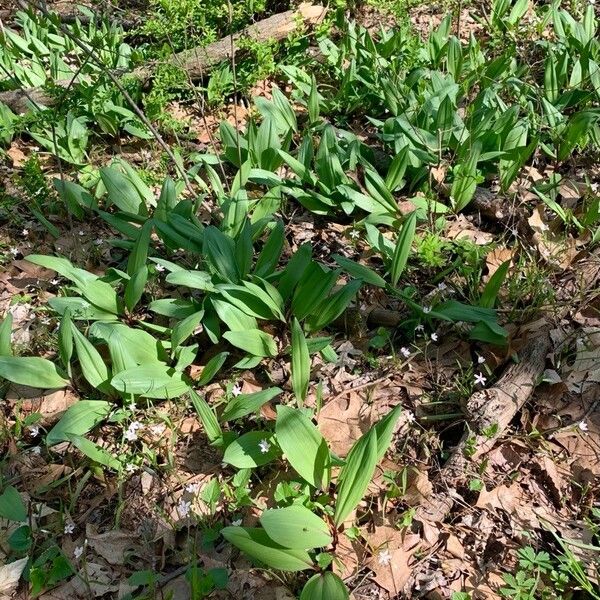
{"points": [[303, 445], [232, 316], [253, 341], [151, 381], [245, 404], [65, 340], [197, 280], [269, 256], [385, 430], [92, 365], [325, 586], [300, 363], [12, 506], [258, 546], [251, 450], [31, 371], [355, 475], [333, 306], [295, 527], [403, 246], [211, 368], [359, 271], [490, 292], [135, 288], [121, 191], [79, 419], [139, 254], [95, 452], [182, 331], [219, 252], [207, 417], [6, 335]]}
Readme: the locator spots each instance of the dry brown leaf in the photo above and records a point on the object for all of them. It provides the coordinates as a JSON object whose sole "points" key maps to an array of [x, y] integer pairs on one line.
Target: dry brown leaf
{"points": [[419, 487], [112, 546], [94, 580], [10, 575], [339, 422], [17, 156], [349, 554], [462, 228]]}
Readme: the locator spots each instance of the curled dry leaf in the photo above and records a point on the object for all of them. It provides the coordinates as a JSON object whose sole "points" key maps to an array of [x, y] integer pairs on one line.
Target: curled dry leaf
{"points": [[10, 575]]}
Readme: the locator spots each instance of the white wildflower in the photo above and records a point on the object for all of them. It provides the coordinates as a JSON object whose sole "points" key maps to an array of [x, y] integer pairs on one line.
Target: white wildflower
{"points": [[434, 337], [427, 309], [405, 351], [54, 281], [184, 507], [236, 523], [99, 242], [159, 268], [264, 446], [442, 286], [480, 379], [14, 251], [36, 450], [25, 232], [130, 468], [131, 433], [384, 557], [34, 431], [69, 527], [410, 417], [420, 328], [192, 488], [354, 234], [583, 426], [81, 232], [236, 390], [480, 359], [78, 552]]}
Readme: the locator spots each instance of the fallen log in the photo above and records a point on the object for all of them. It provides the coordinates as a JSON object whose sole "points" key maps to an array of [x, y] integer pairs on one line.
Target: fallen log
{"points": [[196, 62]]}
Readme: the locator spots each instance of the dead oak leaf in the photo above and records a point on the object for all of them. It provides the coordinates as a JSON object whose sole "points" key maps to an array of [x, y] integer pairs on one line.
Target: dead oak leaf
{"points": [[112, 546], [10, 575]]}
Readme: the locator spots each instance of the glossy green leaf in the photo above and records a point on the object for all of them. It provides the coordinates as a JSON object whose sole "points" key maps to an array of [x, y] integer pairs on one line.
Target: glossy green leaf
{"points": [[134, 288], [251, 450], [258, 546], [78, 420], [151, 381], [359, 271], [333, 306], [95, 452], [303, 445], [300, 362], [212, 367], [92, 365], [253, 341], [245, 404], [325, 586], [6, 335], [296, 527], [355, 475], [403, 246], [31, 371], [207, 417], [490, 292], [12, 506]]}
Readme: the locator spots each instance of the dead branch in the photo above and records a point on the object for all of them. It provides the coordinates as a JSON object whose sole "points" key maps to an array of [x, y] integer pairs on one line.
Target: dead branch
{"points": [[197, 62]]}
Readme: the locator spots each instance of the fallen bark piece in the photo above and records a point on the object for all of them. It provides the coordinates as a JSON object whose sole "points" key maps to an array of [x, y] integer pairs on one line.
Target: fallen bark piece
{"points": [[196, 62], [491, 412]]}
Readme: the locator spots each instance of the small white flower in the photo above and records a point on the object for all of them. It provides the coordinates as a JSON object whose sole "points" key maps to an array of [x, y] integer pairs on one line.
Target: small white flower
{"points": [[264, 446], [78, 552], [236, 523], [132, 407], [99, 242], [54, 281], [434, 337], [184, 507], [480, 359], [410, 417], [442, 286], [405, 351], [480, 379], [131, 433], [384, 557], [420, 328], [354, 234], [34, 431], [69, 527], [81, 232], [25, 232], [236, 390], [37, 450], [14, 251], [192, 488], [130, 468], [427, 309], [583, 426], [159, 268], [387, 110]]}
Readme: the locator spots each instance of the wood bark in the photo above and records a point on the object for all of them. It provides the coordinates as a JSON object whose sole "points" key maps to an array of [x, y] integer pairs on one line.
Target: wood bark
{"points": [[196, 62]]}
